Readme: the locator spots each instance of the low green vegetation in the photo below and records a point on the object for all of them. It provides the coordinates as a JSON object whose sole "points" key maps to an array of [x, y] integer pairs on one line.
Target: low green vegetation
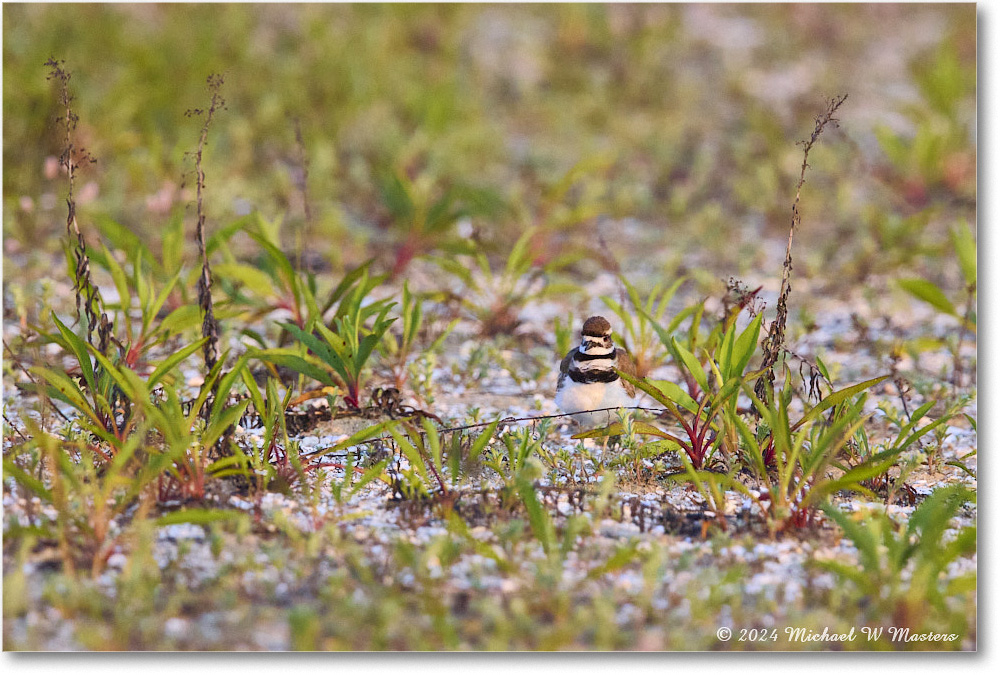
{"points": [[304, 402]]}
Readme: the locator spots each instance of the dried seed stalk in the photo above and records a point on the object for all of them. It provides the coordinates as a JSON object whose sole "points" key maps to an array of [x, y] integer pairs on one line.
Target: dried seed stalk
{"points": [[209, 325], [774, 344], [302, 179], [87, 294]]}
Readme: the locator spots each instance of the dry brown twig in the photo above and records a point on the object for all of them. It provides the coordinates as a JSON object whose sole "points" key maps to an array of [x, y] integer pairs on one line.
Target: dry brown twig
{"points": [[209, 325], [87, 293], [774, 343], [302, 182]]}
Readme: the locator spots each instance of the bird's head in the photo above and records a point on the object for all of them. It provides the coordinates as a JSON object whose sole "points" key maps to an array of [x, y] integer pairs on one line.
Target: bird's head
{"points": [[596, 336]]}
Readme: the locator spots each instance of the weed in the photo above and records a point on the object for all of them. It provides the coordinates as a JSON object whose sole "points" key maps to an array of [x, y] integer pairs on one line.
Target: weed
{"points": [[425, 214], [87, 292], [398, 350], [928, 292], [775, 342], [209, 326], [921, 548], [345, 351], [702, 413], [793, 459], [433, 465], [495, 299], [640, 339]]}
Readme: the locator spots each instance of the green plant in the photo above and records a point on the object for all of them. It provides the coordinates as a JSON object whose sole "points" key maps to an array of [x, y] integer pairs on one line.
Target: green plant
{"points": [[496, 298], [565, 334], [99, 474], [425, 214], [276, 463], [934, 160], [927, 291], [639, 337], [702, 411], [138, 340], [86, 488], [345, 351], [271, 282], [909, 433], [106, 409], [792, 461], [712, 486], [899, 569], [397, 350], [191, 439], [435, 466]]}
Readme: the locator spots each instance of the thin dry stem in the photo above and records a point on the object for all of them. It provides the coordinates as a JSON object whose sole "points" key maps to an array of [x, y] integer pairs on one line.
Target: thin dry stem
{"points": [[87, 293], [303, 185], [209, 325], [775, 342], [957, 370]]}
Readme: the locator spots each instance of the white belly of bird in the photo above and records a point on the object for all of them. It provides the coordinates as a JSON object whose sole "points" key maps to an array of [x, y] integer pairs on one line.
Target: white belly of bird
{"points": [[576, 396]]}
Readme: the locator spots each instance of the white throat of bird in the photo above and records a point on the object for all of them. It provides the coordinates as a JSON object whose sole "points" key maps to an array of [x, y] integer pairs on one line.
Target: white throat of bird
{"points": [[598, 347]]}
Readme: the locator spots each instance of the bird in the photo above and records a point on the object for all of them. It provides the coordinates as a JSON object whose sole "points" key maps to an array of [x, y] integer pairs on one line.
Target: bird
{"points": [[588, 380]]}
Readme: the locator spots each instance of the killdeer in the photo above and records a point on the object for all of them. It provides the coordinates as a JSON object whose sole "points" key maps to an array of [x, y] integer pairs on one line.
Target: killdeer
{"points": [[587, 376]]}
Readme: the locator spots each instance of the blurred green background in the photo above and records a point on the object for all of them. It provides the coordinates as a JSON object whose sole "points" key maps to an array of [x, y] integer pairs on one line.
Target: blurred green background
{"points": [[665, 133]]}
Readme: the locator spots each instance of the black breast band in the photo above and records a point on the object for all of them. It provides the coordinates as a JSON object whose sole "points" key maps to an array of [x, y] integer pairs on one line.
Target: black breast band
{"points": [[593, 357], [592, 376]]}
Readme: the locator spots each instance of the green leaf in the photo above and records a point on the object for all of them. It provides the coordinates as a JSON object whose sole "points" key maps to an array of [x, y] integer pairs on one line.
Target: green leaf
{"points": [[745, 346], [433, 442], [396, 197], [289, 359], [675, 393], [929, 293], [617, 428], [172, 247], [965, 247], [479, 445], [360, 436], [836, 398], [412, 455], [349, 279], [181, 319], [173, 360], [518, 258], [123, 238], [259, 282], [222, 421], [11, 470], [199, 517], [376, 471], [646, 387], [278, 257], [80, 350], [692, 365], [120, 278], [254, 392], [331, 350], [823, 370], [862, 537], [538, 517], [726, 353], [149, 312], [225, 233], [930, 519], [63, 388]]}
